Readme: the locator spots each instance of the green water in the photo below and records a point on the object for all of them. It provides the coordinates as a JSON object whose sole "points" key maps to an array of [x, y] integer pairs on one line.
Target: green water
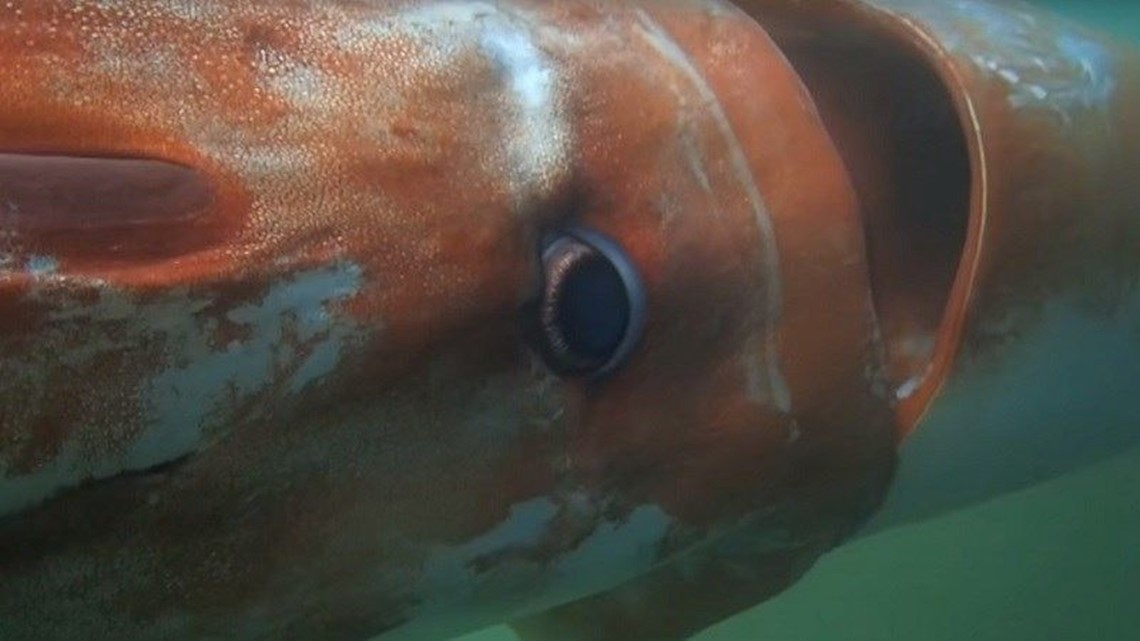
{"points": [[1059, 562], [1120, 17]]}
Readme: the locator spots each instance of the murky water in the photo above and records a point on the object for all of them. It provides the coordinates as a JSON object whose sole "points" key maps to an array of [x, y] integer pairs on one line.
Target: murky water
{"points": [[1058, 562]]}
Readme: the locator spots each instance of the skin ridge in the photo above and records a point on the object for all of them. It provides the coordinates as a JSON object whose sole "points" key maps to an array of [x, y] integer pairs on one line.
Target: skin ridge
{"points": [[316, 406]]}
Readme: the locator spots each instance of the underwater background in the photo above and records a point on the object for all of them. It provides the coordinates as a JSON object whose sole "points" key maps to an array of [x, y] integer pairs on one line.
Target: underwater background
{"points": [[1058, 562]]}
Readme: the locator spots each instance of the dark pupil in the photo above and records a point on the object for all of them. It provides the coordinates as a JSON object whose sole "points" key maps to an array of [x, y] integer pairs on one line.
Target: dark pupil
{"points": [[593, 309]]}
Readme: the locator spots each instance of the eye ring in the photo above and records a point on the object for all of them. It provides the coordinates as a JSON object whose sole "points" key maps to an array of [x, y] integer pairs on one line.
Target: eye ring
{"points": [[592, 313]]}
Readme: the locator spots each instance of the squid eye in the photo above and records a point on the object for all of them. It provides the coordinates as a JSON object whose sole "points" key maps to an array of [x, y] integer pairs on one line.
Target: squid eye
{"points": [[592, 312]]}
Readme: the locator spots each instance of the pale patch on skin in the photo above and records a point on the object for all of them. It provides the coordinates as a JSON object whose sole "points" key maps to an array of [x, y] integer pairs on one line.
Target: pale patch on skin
{"points": [[293, 312], [301, 86], [1044, 71], [537, 134], [539, 137], [38, 266], [767, 384], [616, 548], [294, 340], [914, 348], [1019, 414], [623, 548], [1097, 70], [910, 386]]}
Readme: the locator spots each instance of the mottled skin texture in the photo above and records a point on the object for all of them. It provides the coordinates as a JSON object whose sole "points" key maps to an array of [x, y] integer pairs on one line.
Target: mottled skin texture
{"points": [[329, 360], [1049, 116], [300, 399]]}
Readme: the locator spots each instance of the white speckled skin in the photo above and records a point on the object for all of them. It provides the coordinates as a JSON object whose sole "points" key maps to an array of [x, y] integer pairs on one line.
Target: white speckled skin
{"points": [[267, 348], [1029, 369], [267, 365]]}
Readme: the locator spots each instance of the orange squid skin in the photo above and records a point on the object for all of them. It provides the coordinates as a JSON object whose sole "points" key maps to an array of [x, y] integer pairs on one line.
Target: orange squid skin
{"points": [[1028, 312], [309, 409], [992, 148], [298, 399]]}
